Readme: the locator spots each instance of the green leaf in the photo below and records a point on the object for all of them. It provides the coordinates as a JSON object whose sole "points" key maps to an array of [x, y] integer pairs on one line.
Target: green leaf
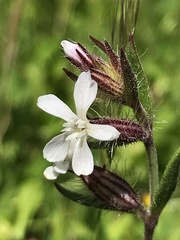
{"points": [[142, 82], [167, 184], [87, 200]]}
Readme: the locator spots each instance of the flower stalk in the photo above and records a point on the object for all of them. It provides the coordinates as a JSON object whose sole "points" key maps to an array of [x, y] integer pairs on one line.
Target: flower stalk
{"points": [[150, 148], [153, 168]]}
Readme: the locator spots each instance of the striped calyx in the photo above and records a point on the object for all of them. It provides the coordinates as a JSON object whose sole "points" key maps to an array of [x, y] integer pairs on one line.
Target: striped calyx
{"points": [[130, 131], [112, 190]]}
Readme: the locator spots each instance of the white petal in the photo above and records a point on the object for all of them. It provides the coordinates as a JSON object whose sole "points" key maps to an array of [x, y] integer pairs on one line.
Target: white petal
{"points": [[56, 149], [70, 50], [61, 167], [82, 161], [50, 173], [85, 92], [53, 105], [103, 132], [71, 149]]}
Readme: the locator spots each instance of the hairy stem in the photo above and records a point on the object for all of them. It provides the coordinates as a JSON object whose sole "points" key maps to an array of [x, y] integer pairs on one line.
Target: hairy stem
{"points": [[151, 152], [148, 232], [153, 167], [150, 223]]}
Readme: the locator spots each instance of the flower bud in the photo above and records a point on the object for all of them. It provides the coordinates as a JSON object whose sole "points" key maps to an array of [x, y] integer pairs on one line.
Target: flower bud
{"points": [[112, 190], [129, 130], [108, 191], [108, 75]]}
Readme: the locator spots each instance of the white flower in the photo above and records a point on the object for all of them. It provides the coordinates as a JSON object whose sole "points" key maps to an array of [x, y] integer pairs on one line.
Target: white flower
{"points": [[72, 145]]}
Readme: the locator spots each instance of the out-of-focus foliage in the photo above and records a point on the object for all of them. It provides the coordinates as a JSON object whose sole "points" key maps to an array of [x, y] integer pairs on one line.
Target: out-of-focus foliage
{"points": [[31, 65]]}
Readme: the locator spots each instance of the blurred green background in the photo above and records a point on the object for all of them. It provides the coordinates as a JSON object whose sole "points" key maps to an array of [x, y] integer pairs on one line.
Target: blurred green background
{"points": [[31, 65]]}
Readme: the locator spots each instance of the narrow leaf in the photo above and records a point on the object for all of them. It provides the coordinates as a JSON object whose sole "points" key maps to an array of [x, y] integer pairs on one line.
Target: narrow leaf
{"points": [[87, 200], [167, 184], [142, 82]]}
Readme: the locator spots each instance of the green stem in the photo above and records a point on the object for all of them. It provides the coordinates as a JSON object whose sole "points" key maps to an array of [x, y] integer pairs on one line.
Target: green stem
{"points": [[151, 152], [153, 167]]}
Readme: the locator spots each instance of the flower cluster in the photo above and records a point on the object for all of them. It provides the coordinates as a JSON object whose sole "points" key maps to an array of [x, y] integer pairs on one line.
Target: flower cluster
{"points": [[71, 148]]}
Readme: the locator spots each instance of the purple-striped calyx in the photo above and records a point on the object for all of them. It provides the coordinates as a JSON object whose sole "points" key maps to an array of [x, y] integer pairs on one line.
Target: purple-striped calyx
{"points": [[129, 129], [112, 190]]}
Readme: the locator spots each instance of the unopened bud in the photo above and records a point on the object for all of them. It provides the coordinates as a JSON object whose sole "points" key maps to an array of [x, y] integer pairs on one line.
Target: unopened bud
{"points": [[108, 75], [112, 190], [129, 130]]}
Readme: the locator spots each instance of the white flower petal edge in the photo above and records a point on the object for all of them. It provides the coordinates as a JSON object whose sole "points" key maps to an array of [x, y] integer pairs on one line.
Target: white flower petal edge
{"points": [[56, 149], [61, 167], [82, 161], [54, 106], [103, 132], [85, 92], [50, 173]]}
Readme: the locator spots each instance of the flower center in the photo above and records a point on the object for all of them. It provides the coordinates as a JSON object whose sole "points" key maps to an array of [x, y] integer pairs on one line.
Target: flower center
{"points": [[76, 129]]}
